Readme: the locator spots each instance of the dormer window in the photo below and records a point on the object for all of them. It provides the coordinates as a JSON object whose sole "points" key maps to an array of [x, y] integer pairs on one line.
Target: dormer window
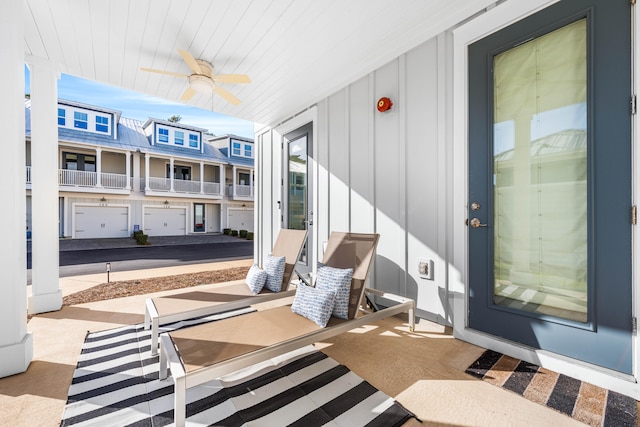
{"points": [[163, 135], [80, 120], [179, 138], [173, 135], [235, 149], [193, 140], [62, 117], [248, 150], [102, 124]]}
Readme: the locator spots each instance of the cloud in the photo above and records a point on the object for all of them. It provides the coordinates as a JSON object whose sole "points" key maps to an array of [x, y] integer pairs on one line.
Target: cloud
{"points": [[140, 106]]}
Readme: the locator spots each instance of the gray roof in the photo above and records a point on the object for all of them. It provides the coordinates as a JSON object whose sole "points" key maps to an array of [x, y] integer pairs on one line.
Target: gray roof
{"points": [[131, 137]]}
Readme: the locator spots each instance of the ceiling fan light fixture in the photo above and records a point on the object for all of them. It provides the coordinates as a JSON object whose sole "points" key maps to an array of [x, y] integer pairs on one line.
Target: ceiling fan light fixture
{"points": [[201, 84]]}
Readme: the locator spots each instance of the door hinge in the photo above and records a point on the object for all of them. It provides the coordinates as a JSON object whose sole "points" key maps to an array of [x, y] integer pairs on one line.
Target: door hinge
{"points": [[634, 215], [633, 105], [634, 326]]}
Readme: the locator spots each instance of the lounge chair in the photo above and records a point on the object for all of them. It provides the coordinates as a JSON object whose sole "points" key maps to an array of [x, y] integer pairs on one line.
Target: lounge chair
{"points": [[205, 352], [232, 295]]}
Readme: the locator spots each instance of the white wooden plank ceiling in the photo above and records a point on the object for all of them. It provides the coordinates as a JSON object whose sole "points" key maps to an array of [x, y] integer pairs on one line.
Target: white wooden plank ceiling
{"points": [[296, 52]]}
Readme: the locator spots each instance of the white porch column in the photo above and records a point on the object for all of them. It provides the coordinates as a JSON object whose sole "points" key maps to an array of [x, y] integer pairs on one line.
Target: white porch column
{"points": [[233, 181], [98, 167], [223, 181], [251, 182], [127, 168], [16, 344], [45, 271], [146, 172], [171, 173], [201, 177]]}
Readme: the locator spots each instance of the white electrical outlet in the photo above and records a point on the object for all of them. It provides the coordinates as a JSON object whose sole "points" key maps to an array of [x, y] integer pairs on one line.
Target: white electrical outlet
{"points": [[425, 268]]}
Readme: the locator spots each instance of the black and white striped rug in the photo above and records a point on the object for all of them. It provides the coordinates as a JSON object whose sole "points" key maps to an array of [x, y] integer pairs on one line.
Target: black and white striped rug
{"points": [[116, 384]]}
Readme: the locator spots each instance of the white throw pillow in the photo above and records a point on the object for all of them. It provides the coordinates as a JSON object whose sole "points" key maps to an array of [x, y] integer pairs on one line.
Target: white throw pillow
{"points": [[314, 304], [274, 266], [338, 279], [256, 278]]}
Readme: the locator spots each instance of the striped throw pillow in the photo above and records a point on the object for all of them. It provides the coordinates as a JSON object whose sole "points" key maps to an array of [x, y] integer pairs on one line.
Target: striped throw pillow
{"points": [[314, 304], [274, 266], [256, 278], [338, 279]]}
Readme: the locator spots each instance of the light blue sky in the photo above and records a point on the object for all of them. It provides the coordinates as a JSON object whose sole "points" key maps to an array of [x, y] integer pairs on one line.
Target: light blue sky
{"points": [[140, 106]]}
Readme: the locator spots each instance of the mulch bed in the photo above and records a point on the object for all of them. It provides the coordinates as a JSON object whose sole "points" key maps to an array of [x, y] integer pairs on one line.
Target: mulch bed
{"points": [[128, 288]]}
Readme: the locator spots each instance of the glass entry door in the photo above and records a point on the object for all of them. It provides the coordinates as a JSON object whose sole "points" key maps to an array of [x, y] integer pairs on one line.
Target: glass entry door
{"points": [[298, 213], [198, 217], [550, 182]]}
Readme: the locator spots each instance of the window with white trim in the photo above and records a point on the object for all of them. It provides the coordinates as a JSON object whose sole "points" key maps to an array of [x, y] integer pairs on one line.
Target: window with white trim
{"points": [[62, 117], [235, 149], [163, 135], [178, 138], [102, 124], [248, 150], [80, 120], [193, 140]]}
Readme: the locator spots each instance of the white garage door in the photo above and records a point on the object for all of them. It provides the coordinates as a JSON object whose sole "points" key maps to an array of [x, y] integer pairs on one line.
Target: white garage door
{"points": [[165, 221], [101, 222], [240, 219]]}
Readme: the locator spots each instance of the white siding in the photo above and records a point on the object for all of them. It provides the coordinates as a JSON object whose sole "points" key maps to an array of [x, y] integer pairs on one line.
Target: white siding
{"points": [[384, 172], [338, 163], [213, 218]]}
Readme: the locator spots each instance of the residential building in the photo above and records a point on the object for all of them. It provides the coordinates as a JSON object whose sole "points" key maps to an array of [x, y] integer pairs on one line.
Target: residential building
{"points": [[117, 175], [476, 180]]}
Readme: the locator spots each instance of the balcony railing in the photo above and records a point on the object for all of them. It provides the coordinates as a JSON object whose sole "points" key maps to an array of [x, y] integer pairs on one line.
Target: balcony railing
{"points": [[113, 180], [243, 191], [158, 184], [67, 177], [74, 178], [182, 186], [77, 178], [211, 187]]}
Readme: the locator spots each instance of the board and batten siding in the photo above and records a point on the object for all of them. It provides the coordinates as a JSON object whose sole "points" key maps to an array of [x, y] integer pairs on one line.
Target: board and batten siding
{"points": [[387, 173]]}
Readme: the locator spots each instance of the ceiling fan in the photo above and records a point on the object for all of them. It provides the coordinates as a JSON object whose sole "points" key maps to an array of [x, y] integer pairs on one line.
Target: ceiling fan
{"points": [[202, 79]]}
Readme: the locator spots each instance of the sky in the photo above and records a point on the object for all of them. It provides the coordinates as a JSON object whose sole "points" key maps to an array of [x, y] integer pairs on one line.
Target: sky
{"points": [[140, 106]]}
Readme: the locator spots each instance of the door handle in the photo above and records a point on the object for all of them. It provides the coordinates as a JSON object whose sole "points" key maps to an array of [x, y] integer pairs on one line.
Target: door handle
{"points": [[475, 223]]}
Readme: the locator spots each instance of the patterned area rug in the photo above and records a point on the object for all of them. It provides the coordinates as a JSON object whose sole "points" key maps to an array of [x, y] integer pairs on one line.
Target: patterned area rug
{"points": [[116, 384], [585, 402]]}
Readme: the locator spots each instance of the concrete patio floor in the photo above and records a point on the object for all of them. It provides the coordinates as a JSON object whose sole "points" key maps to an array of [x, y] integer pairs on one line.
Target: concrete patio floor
{"points": [[423, 370]]}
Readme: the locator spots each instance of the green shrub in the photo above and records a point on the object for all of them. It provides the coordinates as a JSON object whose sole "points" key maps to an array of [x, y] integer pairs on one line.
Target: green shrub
{"points": [[137, 233], [250, 235], [234, 232], [243, 234], [226, 231], [142, 239]]}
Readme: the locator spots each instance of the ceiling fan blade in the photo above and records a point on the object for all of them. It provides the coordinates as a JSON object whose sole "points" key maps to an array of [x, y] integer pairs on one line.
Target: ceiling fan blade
{"points": [[168, 73], [188, 94], [191, 61], [232, 78], [227, 95]]}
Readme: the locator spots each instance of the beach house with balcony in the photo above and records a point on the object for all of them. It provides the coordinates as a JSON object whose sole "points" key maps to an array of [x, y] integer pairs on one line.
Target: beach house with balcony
{"points": [[117, 175]]}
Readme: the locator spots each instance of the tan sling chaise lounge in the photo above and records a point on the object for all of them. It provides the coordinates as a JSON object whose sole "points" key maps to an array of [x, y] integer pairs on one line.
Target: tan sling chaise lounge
{"points": [[205, 352], [229, 296]]}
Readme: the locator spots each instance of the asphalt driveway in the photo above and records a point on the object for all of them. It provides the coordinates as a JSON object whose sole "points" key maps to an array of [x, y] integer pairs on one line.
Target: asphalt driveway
{"points": [[90, 256]]}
